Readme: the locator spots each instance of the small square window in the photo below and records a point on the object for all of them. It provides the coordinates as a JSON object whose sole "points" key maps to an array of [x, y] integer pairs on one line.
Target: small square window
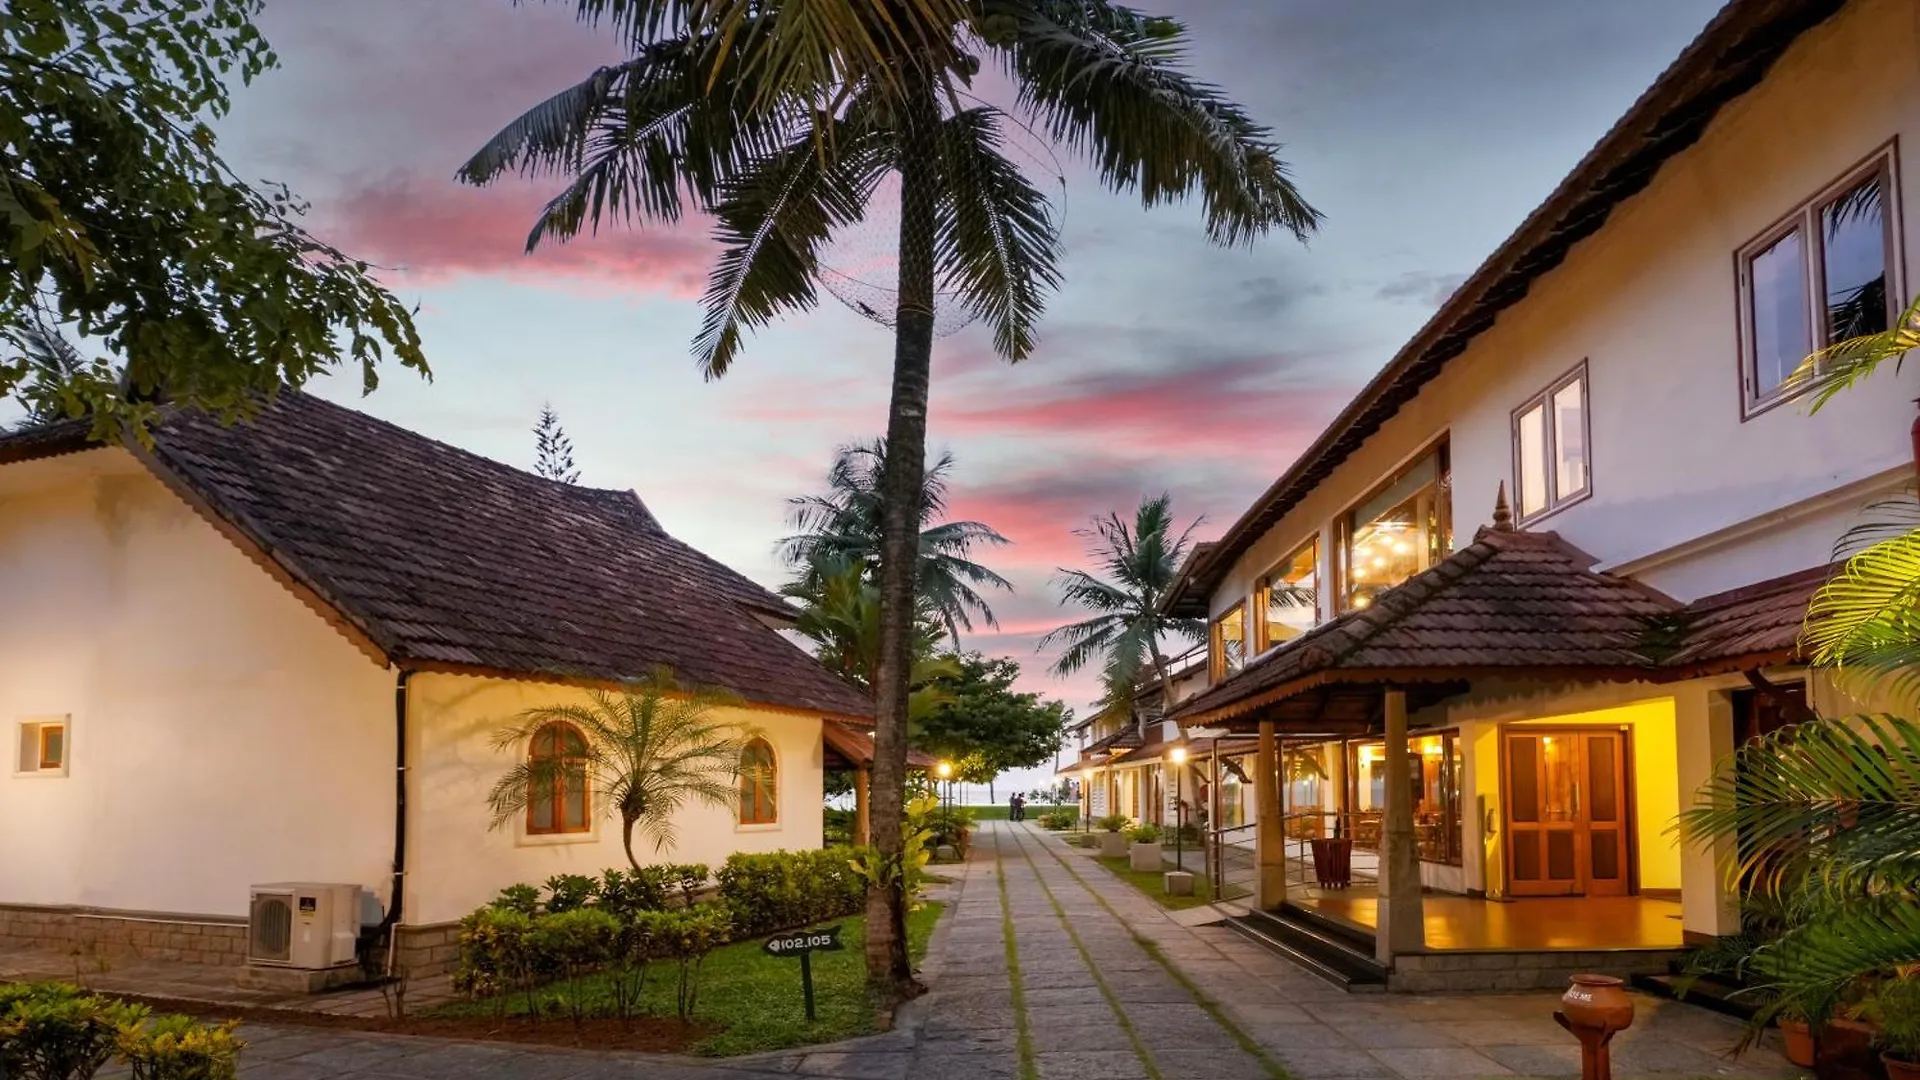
{"points": [[43, 748], [1551, 464]]}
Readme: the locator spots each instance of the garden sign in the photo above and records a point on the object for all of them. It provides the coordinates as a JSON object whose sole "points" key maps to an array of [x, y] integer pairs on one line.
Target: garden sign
{"points": [[804, 944]]}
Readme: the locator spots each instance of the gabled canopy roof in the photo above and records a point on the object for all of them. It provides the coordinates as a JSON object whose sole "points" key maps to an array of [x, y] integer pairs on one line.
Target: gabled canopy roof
{"points": [[851, 747], [1728, 58], [439, 559], [1512, 605]]}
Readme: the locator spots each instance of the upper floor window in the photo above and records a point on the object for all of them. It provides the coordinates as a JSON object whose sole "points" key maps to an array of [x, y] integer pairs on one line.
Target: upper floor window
{"points": [[557, 795], [1399, 531], [1821, 276], [759, 804], [1550, 447], [1227, 651], [1289, 601]]}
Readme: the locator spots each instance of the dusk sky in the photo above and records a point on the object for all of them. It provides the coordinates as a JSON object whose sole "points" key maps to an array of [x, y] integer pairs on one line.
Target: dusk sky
{"points": [[1424, 131]]}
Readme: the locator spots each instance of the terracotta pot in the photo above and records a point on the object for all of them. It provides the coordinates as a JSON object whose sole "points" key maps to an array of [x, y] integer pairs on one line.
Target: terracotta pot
{"points": [[1598, 1002], [1796, 1042], [1900, 1070]]}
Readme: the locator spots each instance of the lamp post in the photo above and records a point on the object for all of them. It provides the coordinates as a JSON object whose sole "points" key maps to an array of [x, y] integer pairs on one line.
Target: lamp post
{"points": [[945, 771], [1086, 796], [1178, 755]]}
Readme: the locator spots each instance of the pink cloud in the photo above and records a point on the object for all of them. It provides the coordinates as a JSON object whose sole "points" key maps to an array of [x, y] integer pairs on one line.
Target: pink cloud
{"points": [[434, 231]]}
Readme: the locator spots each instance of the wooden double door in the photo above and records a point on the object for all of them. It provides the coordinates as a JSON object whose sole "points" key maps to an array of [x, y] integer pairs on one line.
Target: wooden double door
{"points": [[1568, 813]]}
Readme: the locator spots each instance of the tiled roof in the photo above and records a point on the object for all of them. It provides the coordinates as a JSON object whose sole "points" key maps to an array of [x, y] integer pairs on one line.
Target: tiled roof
{"points": [[1745, 627], [853, 747], [1509, 601], [443, 558], [1127, 738], [1730, 56]]}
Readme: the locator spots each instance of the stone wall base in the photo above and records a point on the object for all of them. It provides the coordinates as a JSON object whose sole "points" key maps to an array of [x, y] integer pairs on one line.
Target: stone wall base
{"points": [[1435, 972], [421, 951], [104, 935]]}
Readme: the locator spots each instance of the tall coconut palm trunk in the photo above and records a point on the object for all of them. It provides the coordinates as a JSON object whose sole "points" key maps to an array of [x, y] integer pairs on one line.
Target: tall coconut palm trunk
{"points": [[888, 965]]}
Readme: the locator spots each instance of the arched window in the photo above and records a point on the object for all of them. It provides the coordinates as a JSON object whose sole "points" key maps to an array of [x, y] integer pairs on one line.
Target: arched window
{"points": [[759, 784], [557, 795]]}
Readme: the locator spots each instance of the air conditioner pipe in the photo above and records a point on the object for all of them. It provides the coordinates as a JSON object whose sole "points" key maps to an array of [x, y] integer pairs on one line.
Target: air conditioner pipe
{"points": [[388, 925]]}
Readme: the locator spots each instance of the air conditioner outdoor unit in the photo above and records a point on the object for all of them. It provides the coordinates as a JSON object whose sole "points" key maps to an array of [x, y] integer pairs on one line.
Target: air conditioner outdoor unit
{"points": [[302, 924]]}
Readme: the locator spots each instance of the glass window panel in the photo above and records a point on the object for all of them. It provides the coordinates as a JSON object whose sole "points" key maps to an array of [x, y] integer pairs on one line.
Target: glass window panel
{"points": [[1230, 642], [1293, 596], [574, 800], [541, 820], [53, 746], [1533, 461], [1853, 237], [1781, 338], [1570, 439], [1561, 776]]}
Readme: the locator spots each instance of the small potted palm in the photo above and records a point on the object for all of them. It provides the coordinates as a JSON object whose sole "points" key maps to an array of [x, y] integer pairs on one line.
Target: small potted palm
{"points": [[1894, 1010], [1113, 842], [1143, 849]]}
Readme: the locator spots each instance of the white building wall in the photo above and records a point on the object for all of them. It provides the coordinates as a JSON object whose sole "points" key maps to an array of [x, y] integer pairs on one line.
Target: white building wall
{"points": [[1649, 303], [222, 733], [457, 861]]}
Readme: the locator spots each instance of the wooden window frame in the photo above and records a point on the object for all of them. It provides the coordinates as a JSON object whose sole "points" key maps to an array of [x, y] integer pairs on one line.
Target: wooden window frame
{"points": [[1261, 629], [751, 788], [1551, 446], [1883, 162], [1340, 560], [1216, 642], [558, 796], [41, 731]]}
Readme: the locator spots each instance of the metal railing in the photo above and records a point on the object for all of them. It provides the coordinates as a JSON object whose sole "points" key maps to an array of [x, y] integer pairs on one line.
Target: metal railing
{"points": [[1234, 870]]}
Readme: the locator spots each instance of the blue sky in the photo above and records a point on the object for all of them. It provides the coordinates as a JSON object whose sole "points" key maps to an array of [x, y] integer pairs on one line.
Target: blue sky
{"points": [[1424, 131]]}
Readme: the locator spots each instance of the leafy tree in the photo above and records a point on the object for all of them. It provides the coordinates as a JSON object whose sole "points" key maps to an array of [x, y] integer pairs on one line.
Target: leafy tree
{"points": [[840, 614], [843, 526], [119, 217], [552, 450], [52, 367], [1137, 563], [646, 752], [985, 725], [782, 117]]}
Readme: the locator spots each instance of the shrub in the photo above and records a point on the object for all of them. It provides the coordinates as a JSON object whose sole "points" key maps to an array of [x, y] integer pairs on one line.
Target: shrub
{"points": [[181, 1048], [573, 943], [1112, 822], [950, 825], [1058, 820], [524, 899], [1144, 833], [684, 937], [625, 893], [493, 951], [569, 892], [689, 878], [784, 889], [54, 1031]]}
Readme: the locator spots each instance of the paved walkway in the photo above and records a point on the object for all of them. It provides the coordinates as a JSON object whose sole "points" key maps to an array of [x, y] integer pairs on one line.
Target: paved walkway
{"points": [[1046, 967]]}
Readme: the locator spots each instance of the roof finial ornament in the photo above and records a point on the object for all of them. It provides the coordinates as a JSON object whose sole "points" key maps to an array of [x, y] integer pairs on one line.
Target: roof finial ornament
{"points": [[1502, 513]]}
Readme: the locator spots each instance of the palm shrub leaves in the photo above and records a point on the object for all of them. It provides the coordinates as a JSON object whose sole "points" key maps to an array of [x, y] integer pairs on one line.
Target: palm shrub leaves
{"points": [[841, 528], [1137, 563], [781, 118], [648, 751]]}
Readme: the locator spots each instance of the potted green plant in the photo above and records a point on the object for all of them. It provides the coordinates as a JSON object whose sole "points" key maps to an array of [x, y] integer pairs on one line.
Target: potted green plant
{"points": [[1893, 1008], [1113, 844], [1143, 849]]}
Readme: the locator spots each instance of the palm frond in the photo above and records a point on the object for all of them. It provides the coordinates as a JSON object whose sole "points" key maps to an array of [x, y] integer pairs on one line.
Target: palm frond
{"points": [[997, 243], [1102, 80], [774, 220], [1847, 363], [1867, 618]]}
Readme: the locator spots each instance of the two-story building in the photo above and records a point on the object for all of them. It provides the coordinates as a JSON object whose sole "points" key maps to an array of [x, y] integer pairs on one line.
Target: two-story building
{"points": [[1513, 606]]}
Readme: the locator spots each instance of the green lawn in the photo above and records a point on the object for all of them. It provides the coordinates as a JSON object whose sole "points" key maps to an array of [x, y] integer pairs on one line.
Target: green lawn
{"points": [[1151, 883], [754, 999], [998, 811]]}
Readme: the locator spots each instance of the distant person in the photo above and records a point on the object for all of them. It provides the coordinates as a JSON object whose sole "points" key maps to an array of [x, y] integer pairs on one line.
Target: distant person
{"points": [[1015, 806]]}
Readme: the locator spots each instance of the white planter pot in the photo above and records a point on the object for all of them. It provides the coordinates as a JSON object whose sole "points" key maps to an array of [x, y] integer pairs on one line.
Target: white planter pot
{"points": [[1146, 857], [1179, 883], [1113, 845]]}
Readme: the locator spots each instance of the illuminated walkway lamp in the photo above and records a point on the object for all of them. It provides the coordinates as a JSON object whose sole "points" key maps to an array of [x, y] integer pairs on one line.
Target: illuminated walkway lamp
{"points": [[1178, 756]]}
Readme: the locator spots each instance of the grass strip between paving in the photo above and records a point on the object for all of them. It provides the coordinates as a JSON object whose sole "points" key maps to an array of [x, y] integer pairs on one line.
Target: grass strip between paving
{"points": [[1113, 1000], [1022, 1025], [1200, 997]]}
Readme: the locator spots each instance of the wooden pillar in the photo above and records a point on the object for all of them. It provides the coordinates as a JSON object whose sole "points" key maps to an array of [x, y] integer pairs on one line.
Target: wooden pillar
{"points": [[1269, 835], [862, 827], [1402, 927]]}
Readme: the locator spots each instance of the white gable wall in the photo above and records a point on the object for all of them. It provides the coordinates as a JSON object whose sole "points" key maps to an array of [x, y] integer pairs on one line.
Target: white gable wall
{"points": [[222, 733]]}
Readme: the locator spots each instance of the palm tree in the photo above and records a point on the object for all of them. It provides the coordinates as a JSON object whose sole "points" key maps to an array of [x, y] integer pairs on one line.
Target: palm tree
{"points": [[840, 614], [643, 753], [1137, 564], [781, 118], [843, 526]]}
